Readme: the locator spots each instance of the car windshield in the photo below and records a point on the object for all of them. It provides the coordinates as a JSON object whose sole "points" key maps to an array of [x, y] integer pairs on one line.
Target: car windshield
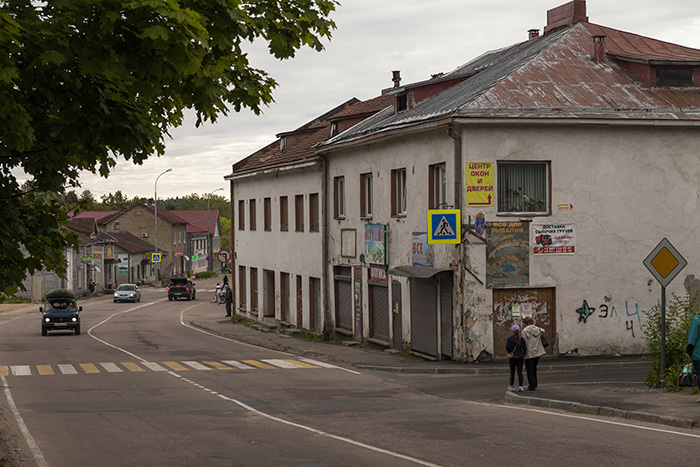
{"points": [[61, 305], [126, 288]]}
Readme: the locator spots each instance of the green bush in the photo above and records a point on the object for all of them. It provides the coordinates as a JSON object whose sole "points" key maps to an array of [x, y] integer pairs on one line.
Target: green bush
{"points": [[205, 274], [189, 273], [679, 313]]}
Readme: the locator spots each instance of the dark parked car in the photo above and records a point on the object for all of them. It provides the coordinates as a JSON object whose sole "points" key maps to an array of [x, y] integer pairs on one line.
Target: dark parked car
{"points": [[181, 287], [60, 312], [127, 293]]}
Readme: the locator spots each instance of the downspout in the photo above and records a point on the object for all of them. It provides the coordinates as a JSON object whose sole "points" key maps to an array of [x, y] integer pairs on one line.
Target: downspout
{"points": [[233, 249], [460, 320], [324, 246]]}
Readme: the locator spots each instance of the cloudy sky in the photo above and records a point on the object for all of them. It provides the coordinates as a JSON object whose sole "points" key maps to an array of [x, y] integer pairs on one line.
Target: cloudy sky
{"points": [[373, 37]]}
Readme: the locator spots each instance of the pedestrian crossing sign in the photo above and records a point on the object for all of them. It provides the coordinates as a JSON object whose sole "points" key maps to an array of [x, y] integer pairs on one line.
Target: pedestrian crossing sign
{"points": [[156, 257], [444, 226]]}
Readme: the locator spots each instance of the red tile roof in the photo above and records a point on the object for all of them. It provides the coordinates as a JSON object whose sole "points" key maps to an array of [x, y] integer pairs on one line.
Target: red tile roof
{"points": [[197, 220]]}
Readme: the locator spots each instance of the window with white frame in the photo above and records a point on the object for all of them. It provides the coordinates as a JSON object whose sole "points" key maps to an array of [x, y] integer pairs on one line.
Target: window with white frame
{"points": [[398, 192], [339, 197], [366, 195], [523, 187], [437, 187]]}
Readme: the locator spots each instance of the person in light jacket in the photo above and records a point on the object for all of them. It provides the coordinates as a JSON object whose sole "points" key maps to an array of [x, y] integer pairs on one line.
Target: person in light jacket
{"points": [[533, 339], [516, 348]]}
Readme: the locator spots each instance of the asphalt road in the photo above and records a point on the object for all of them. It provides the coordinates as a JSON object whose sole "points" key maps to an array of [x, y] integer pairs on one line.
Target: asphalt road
{"points": [[141, 387]]}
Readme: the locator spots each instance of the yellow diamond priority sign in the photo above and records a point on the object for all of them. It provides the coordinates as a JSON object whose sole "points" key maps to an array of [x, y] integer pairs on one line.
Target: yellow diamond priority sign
{"points": [[665, 262]]}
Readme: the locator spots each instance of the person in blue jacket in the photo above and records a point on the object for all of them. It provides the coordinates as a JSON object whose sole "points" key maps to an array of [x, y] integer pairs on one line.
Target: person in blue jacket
{"points": [[692, 348], [515, 347]]}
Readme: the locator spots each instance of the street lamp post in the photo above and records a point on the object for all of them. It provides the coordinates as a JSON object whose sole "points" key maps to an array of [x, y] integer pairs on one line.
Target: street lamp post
{"points": [[209, 236], [155, 192]]}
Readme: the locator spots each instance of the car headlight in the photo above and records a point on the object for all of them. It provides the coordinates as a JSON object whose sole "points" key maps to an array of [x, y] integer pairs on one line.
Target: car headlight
{"points": [[116, 294], [131, 295], [74, 319], [46, 319]]}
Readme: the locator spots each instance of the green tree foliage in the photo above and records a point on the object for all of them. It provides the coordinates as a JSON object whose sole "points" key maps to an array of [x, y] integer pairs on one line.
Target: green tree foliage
{"points": [[84, 83], [194, 201], [225, 233], [679, 313]]}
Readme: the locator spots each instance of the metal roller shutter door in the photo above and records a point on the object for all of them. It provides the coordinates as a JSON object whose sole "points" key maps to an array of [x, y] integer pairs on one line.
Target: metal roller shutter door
{"points": [[424, 316], [446, 315], [380, 312]]}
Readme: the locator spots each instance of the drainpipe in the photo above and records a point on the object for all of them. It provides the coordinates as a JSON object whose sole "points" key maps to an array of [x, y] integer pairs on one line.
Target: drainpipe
{"points": [[231, 283], [324, 245]]}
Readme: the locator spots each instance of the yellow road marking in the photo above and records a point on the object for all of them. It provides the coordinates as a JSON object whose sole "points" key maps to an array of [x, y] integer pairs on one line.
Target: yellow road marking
{"points": [[4, 370], [176, 366], [45, 370], [218, 366], [259, 364], [89, 368], [131, 366], [302, 364]]}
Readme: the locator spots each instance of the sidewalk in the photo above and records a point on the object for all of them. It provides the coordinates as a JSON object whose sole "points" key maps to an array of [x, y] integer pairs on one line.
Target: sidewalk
{"points": [[634, 402]]}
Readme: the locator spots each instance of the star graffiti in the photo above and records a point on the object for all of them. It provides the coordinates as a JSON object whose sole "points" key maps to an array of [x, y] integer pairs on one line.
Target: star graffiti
{"points": [[584, 312]]}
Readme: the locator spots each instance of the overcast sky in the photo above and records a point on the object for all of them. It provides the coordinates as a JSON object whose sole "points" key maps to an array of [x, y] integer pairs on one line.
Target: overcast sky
{"points": [[373, 37]]}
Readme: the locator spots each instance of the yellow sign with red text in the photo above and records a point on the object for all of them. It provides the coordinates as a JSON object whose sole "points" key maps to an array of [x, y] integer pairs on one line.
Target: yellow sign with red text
{"points": [[480, 184]]}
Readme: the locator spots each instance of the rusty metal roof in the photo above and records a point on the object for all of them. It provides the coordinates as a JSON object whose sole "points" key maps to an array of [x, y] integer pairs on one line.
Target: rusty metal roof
{"points": [[554, 76]]}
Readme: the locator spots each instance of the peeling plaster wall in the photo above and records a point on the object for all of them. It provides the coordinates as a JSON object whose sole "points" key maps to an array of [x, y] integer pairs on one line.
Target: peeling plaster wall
{"points": [[630, 187]]}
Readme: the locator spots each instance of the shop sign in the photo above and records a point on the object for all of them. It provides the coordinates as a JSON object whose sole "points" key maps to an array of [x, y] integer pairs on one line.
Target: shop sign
{"points": [[378, 273], [423, 253]]}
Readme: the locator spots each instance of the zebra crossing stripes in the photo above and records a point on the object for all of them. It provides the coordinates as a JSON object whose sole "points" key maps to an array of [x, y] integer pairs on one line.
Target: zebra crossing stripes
{"points": [[140, 367]]}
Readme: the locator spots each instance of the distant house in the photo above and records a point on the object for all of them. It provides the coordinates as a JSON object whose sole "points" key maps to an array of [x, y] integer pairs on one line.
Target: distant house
{"points": [[133, 256], [585, 136], [203, 238]]}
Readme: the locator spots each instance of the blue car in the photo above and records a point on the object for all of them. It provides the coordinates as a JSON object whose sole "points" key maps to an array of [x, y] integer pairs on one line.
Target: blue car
{"points": [[60, 312]]}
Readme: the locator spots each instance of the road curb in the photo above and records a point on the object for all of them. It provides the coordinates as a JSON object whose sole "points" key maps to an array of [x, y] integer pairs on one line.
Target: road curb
{"points": [[502, 370], [577, 407]]}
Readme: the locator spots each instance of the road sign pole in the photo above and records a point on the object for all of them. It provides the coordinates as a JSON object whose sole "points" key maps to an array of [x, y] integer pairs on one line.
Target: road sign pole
{"points": [[663, 337]]}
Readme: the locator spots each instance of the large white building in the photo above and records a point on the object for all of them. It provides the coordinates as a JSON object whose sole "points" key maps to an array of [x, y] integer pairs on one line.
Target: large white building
{"points": [[577, 150]]}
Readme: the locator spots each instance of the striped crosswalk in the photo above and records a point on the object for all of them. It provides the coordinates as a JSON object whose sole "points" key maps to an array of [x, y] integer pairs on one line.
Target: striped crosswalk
{"points": [[167, 365]]}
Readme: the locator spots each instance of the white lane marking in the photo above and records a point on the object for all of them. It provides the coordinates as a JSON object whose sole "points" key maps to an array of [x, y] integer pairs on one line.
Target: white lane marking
{"points": [[67, 369], [325, 365], [316, 362], [196, 365], [236, 364], [21, 370], [580, 417], [258, 412], [33, 447], [281, 363], [153, 366], [111, 368]]}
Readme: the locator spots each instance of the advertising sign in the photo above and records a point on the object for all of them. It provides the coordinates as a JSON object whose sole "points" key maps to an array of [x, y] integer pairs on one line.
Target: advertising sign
{"points": [[507, 254], [554, 239], [480, 184], [375, 244], [378, 273], [123, 263], [423, 252]]}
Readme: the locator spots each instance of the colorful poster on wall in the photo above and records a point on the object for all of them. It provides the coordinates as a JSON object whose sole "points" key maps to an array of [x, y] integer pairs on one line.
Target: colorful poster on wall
{"points": [[480, 176], [375, 244], [553, 239], [423, 252], [507, 254], [123, 263]]}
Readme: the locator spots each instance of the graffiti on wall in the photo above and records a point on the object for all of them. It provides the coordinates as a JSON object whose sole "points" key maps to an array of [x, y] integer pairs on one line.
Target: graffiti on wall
{"points": [[606, 312]]}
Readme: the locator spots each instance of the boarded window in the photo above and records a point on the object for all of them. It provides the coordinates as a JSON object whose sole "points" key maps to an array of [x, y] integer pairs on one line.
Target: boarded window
{"points": [[251, 208], [253, 289], [284, 214], [241, 215], [267, 207], [299, 213], [313, 212]]}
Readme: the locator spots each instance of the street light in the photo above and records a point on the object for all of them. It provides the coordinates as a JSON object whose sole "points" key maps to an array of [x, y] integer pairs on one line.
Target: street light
{"points": [[155, 192], [209, 250]]}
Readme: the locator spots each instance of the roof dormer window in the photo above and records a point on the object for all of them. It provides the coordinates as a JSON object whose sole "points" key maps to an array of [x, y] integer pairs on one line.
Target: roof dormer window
{"points": [[283, 143], [401, 102], [674, 77], [334, 128]]}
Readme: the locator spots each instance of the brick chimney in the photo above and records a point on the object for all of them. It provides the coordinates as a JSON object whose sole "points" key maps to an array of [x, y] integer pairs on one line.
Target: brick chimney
{"points": [[599, 49], [532, 33], [566, 15]]}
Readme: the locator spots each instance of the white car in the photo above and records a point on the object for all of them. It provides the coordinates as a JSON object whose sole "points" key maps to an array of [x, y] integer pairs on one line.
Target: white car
{"points": [[127, 293]]}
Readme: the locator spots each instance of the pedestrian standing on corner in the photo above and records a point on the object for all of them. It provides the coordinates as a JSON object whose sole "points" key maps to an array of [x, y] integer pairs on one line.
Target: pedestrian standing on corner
{"points": [[228, 299], [692, 349], [91, 287], [534, 350], [225, 280], [516, 348]]}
